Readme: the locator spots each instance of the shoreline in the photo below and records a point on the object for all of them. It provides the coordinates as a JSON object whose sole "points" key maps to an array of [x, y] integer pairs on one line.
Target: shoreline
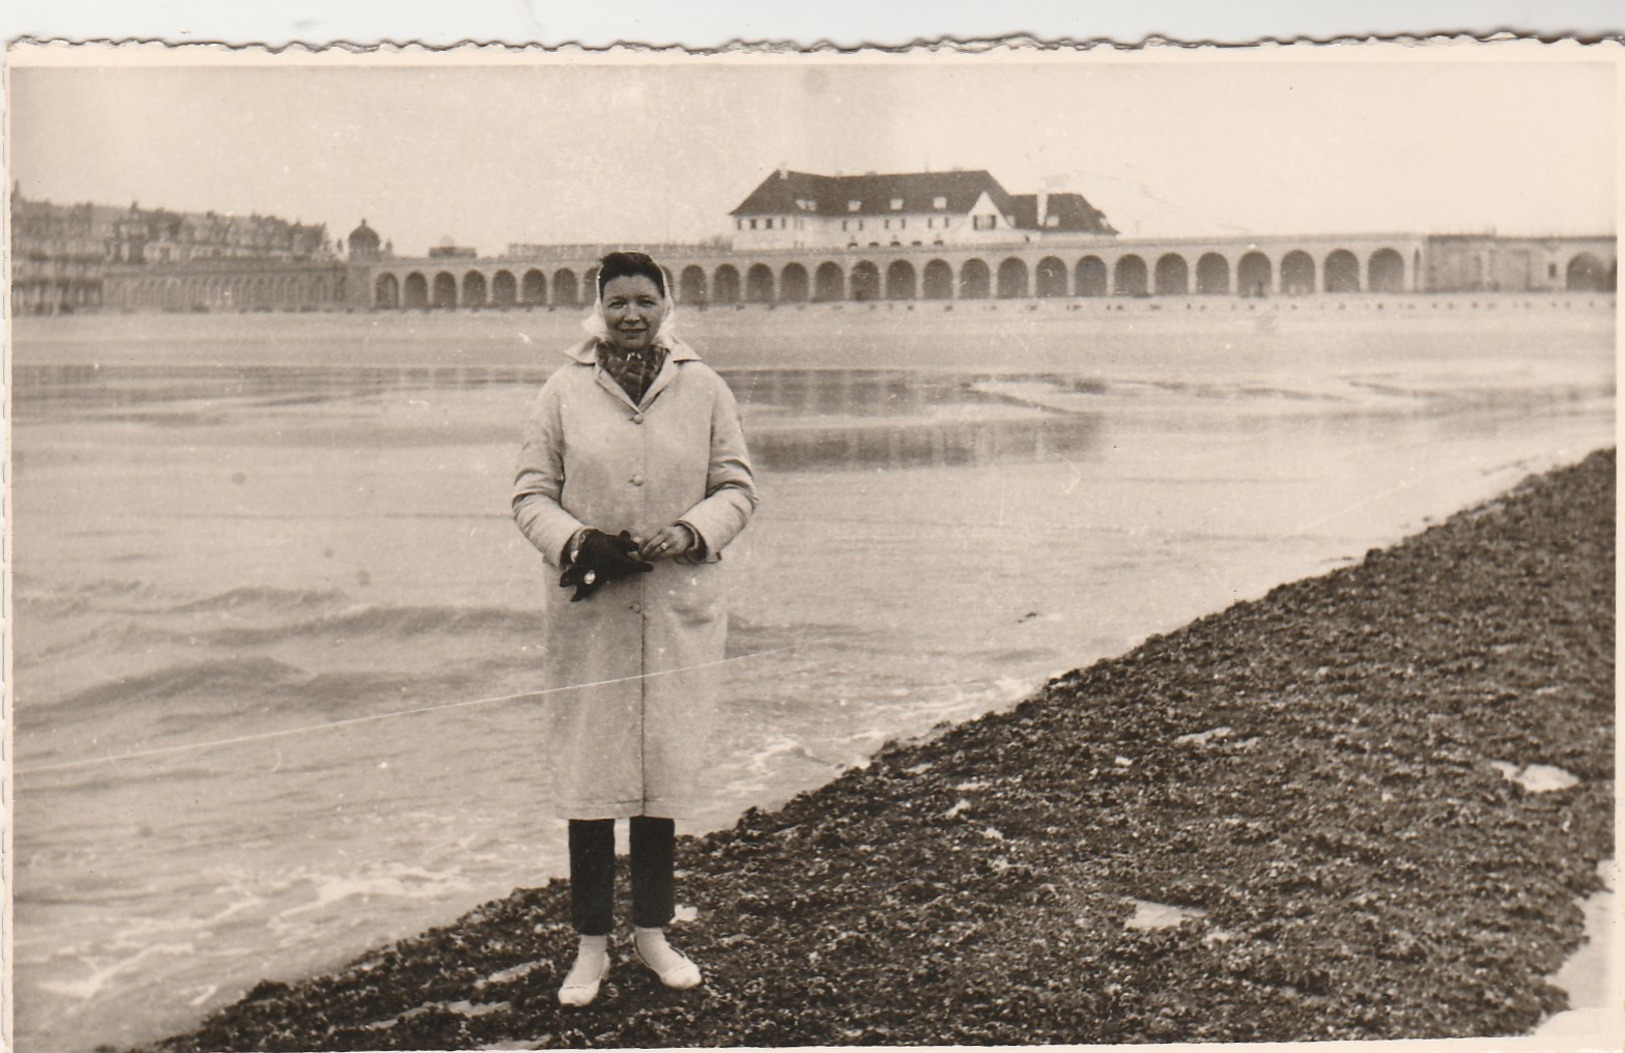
{"points": [[1079, 335], [1310, 778]]}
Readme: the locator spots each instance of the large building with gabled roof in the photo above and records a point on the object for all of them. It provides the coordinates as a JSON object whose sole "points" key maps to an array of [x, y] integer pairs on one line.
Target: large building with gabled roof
{"points": [[960, 208]]}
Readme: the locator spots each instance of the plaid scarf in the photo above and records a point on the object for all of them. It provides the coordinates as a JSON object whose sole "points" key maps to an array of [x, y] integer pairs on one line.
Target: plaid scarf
{"points": [[633, 371]]}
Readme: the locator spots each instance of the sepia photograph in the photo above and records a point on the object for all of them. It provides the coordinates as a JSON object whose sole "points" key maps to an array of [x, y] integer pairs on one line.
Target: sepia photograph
{"points": [[964, 545]]}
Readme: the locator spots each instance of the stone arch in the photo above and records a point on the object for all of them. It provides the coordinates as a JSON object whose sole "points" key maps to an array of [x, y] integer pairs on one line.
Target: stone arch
{"points": [[474, 289], [504, 289], [1173, 275], [975, 280], [938, 281], [691, 285], [829, 283], [445, 290], [533, 288], [1342, 272], [1212, 275], [1297, 273], [416, 291], [1050, 277], [1013, 279], [759, 284], [1129, 277], [1090, 277], [386, 291], [725, 284], [1255, 276], [793, 284], [865, 281], [589, 286], [900, 283], [1587, 273], [566, 293], [1385, 272]]}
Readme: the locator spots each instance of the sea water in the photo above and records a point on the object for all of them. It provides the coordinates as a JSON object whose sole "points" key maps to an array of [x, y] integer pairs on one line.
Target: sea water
{"points": [[274, 630]]}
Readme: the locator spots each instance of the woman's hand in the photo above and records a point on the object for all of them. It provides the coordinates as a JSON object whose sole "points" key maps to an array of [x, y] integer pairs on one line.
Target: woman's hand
{"points": [[668, 543], [598, 558]]}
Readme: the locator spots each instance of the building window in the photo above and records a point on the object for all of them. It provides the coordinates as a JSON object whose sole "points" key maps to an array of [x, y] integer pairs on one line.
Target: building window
{"points": [[886, 223], [939, 202], [853, 206], [902, 224], [984, 222], [1551, 270], [843, 224], [753, 224], [896, 204]]}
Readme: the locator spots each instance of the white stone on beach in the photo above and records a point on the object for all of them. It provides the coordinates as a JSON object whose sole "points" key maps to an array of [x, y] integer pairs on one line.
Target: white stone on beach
{"points": [[1536, 778], [1148, 915]]}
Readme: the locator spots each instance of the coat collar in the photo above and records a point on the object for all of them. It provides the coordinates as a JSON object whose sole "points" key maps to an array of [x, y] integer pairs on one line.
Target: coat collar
{"points": [[586, 354]]}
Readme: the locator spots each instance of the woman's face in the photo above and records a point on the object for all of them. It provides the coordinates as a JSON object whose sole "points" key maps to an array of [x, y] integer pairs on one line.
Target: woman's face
{"points": [[633, 311]]}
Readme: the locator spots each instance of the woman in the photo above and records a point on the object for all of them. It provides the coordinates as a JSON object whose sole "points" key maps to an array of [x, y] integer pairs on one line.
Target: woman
{"points": [[633, 477]]}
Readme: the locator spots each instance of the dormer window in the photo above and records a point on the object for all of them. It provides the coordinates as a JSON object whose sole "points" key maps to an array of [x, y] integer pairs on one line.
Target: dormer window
{"points": [[940, 201], [896, 204], [853, 206]]}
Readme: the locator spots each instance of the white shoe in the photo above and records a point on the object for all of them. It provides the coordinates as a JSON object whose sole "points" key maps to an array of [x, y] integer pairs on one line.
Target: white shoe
{"points": [[580, 987], [673, 968]]}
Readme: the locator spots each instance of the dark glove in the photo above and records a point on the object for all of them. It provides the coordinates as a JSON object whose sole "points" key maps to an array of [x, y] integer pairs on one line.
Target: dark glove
{"points": [[602, 558]]}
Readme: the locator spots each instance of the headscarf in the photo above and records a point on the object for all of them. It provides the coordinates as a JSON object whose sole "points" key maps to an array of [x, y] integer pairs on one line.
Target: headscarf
{"points": [[634, 371], [666, 336]]}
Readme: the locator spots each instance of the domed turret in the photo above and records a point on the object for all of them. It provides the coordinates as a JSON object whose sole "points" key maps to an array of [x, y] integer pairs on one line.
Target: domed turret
{"points": [[363, 243]]}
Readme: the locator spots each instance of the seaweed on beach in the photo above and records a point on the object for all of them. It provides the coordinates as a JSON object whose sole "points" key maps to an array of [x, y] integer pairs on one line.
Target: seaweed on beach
{"points": [[1315, 780]]}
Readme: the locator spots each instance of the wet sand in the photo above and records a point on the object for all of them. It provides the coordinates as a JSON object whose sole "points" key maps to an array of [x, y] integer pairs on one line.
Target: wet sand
{"points": [[1314, 787]]}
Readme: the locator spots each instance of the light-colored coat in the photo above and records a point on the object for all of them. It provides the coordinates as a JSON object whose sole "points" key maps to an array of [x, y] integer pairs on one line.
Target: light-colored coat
{"points": [[633, 669]]}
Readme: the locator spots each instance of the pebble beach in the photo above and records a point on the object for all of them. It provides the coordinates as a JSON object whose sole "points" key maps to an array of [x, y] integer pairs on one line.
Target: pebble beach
{"points": [[1361, 807]]}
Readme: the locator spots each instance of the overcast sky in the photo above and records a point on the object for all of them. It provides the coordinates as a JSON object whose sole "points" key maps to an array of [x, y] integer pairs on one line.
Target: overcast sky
{"points": [[660, 150]]}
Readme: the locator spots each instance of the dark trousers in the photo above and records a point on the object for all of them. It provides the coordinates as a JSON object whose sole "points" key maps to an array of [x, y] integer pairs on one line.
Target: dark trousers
{"points": [[592, 873]]}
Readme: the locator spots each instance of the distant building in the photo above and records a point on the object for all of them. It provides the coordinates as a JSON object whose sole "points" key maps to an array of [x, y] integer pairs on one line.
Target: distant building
{"points": [[211, 262], [69, 257], [800, 210], [160, 236], [364, 245], [58, 254], [797, 238], [1492, 263]]}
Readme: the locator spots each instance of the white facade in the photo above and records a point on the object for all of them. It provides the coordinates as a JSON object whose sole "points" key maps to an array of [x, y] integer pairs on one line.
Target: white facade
{"points": [[858, 227]]}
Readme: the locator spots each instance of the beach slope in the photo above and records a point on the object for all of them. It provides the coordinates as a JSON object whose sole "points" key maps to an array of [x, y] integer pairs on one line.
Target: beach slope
{"points": [[1310, 816]]}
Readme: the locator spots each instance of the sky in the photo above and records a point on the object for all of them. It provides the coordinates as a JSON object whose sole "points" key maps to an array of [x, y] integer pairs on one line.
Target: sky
{"points": [[576, 149]]}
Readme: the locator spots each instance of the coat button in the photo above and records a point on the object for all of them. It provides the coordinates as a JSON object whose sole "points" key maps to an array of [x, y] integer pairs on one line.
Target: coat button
{"points": [[637, 480], [637, 418], [637, 608]]}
